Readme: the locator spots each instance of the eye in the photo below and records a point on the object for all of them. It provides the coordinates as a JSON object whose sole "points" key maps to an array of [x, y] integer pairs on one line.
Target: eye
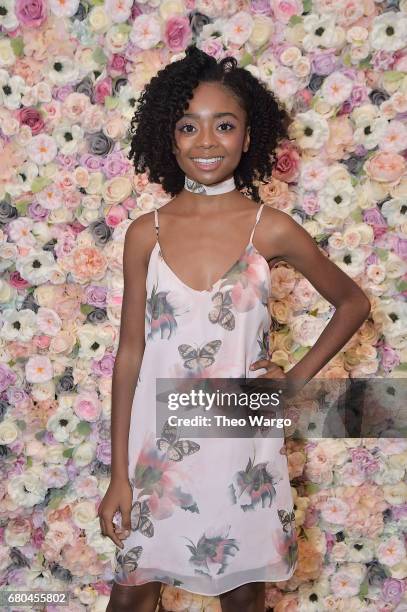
{"points": [[186, 125]]}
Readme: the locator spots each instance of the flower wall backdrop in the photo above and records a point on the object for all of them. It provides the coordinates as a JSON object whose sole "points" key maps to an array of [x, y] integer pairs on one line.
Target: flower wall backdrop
{"points": [[70, 73]]}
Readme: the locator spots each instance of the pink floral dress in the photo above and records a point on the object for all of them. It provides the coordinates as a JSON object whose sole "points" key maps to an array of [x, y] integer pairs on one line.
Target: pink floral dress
{"points": [[212, 518]]}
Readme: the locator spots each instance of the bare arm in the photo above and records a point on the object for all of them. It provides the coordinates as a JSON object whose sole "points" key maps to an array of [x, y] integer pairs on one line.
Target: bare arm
{"points": [[351, 303], [131, 341]]}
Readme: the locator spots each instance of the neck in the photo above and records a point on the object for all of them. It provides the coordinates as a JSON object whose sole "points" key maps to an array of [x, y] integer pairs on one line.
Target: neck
{"points": [[198, 188]]}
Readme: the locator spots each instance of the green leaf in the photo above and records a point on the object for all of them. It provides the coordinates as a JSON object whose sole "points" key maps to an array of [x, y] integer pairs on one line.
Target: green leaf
{"points": [[393, 75], [22, 206], [311, 488], [40, 434], [98, 56], [300, 352], [39, 183], [346, 59], [401, 285], [357, 215], [364, 588], [83, 428], [21, 424], [86, 309], [382, 254], [29, 461], [366, 63], [307, 4], [55, 501], [111, 102], [17, 44], [401, 367], [68, 452], [124, 28], [247, 59], [294, 19]]}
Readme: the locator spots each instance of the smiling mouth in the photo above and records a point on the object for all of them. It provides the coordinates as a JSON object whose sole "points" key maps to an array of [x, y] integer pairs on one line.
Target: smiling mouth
{"points": [[207, 162]]}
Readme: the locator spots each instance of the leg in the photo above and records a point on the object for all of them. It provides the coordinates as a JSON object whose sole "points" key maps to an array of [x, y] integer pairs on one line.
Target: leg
{"points": [[141, 598], [247, 598]]}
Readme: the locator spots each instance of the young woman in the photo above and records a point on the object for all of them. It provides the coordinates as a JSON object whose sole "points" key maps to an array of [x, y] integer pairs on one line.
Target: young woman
{"points": [[212, 516]]}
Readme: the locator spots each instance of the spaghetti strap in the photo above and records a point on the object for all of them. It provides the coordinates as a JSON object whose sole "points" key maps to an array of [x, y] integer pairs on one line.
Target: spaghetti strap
{"points": [[256, 222], [156, 221]]}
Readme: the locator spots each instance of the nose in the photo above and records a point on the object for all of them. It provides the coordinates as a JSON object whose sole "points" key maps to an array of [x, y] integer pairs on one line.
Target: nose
{"points": [[206, 137]]}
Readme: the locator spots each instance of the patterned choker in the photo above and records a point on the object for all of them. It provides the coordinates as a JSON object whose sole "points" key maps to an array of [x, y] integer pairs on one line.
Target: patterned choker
{"points": [[216, 189]]}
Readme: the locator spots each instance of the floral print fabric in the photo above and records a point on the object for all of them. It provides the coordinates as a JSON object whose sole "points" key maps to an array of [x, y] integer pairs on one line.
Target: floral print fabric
{"points": [[208, 514]]}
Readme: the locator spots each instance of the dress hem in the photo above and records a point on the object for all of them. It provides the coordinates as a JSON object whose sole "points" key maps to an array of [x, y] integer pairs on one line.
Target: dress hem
{"points": [[206, 594]]}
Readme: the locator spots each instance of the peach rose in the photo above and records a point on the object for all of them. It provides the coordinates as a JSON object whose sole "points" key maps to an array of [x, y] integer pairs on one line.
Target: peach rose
{"points": [[385, 167], [277, 194], [88, 263]]}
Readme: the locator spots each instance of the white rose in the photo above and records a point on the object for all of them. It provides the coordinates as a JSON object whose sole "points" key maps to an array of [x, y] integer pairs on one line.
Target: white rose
{"points": [[83, 454], [7, 292], [98, 20], [262, 31], [8, 431], [83, 514]]}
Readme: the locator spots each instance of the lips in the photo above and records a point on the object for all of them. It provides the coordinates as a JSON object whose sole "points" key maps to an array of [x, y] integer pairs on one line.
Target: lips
{"points": [[206, 163]]}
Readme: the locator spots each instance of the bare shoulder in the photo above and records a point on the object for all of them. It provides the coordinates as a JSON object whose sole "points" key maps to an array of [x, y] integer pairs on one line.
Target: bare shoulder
{"points": [[140, 235]]}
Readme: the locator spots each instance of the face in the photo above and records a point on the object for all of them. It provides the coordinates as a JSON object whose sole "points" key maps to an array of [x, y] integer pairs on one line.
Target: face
{"points": [[213, 127]]}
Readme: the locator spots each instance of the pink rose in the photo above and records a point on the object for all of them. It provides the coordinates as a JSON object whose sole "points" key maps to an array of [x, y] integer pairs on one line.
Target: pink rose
{"points": [[116, 215], [117, 64], [385, 167], [31, 13], [102, 89], [284, 9], [310, 203], [16, 281], [177, 33], [41, 342], [129, 203], [87, 406], [287, 164], [32, 118]]}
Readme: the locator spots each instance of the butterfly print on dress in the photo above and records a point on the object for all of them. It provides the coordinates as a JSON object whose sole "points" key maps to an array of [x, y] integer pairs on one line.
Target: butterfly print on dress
{"points": [[199, 358], [176, 449]]}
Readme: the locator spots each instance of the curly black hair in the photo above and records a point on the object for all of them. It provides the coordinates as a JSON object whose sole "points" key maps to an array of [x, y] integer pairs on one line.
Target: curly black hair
{"points": [[163, 102]]}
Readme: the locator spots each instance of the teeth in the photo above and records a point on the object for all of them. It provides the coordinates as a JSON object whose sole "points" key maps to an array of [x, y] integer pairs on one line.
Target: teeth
{"points": [[207, 161]]}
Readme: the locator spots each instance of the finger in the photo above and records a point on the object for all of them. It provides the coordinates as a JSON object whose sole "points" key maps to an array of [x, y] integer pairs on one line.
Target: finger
{"points": [[126, 521], [112, 535], [260, 363]]}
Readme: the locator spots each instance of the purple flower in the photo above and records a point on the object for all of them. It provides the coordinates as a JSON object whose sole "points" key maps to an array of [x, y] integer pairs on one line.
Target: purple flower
{"points": [[7, 377], [389, 358], [382, 60], [104, 367], [37, 212], [260, 7], [91, 162], [31, 13], [95, 295], [358, 95], [392, 590], [67, 161], [323, 63], [16, 395], [103, 452], [116, 165], [60, 93], [364, 460], [399, 512]]}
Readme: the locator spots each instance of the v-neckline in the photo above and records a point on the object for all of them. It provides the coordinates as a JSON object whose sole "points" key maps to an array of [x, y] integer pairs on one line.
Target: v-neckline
{"points": [[216, 283]]}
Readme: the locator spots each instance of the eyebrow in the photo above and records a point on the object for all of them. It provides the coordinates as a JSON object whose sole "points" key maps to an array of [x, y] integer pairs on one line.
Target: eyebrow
{"points": [[196, 115]]}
